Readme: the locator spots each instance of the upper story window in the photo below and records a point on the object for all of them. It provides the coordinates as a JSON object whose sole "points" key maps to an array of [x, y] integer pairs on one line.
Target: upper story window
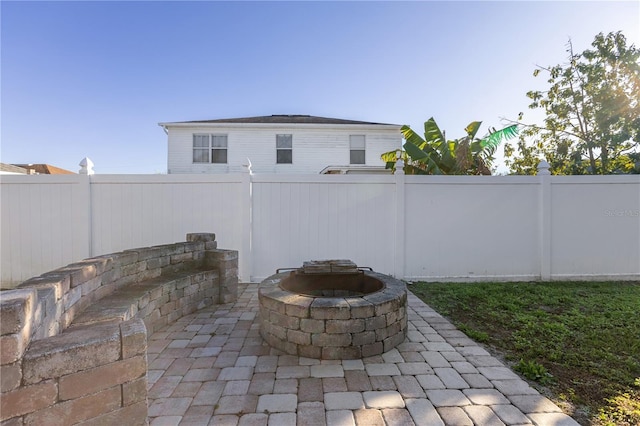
{"points": [[209, 148], [284, 149], [356, 149]]}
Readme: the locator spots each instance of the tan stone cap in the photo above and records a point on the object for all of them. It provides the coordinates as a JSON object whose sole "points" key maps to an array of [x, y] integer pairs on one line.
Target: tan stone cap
{"points": [[329, 266]]}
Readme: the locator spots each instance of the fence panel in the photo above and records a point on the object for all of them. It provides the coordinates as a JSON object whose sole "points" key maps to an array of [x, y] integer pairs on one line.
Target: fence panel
{"points": [[44, 224], [140, 211], [468, 227], [298, 218], [595, 226], [414, 227]]}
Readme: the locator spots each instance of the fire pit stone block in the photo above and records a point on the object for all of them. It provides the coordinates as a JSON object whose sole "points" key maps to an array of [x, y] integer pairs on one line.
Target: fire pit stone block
{"points": [[364, 315]]}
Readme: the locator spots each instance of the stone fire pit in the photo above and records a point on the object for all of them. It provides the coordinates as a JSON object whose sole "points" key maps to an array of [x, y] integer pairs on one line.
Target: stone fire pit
{"points": [[333, 310]]}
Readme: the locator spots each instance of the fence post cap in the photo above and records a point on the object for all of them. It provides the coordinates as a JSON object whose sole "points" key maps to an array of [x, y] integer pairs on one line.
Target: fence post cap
{"points": [[543, 168], [86, 166], [247, 167]]}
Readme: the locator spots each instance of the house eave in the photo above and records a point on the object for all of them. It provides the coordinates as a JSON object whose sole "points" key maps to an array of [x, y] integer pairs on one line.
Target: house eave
{"points": [[355, 169], [324, 126]]}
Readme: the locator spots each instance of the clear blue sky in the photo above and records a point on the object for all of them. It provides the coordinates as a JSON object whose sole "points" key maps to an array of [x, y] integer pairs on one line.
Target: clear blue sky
{"points": [[94, 78]]}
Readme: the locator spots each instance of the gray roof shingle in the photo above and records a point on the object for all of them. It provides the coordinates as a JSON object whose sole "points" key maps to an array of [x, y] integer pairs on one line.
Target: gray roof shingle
{"points": [[287, 119]]}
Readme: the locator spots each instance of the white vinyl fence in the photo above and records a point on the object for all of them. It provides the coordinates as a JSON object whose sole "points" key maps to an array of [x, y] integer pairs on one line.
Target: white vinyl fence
{"points": [[412, 227]]}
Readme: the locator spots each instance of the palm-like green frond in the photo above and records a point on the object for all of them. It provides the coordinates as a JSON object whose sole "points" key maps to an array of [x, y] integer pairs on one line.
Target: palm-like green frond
{"points": [[496, 138]]}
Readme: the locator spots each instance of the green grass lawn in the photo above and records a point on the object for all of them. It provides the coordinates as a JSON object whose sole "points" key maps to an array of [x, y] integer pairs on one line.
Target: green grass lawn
{"points": [[579, 341]]}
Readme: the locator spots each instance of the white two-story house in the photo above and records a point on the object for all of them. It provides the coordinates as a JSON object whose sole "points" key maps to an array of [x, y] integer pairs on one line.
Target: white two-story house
{"points": [[279, 144]]}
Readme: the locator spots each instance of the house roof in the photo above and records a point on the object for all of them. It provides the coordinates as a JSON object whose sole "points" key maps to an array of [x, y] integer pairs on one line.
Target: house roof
{"points": [[44, 169], [11, 168], [284, 119]]}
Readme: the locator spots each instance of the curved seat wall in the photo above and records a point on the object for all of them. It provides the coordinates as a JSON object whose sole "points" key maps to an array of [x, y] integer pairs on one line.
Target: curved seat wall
{"points": [[73, 341]]}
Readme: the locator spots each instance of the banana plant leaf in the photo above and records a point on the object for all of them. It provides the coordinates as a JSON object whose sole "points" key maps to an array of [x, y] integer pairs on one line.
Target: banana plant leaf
{"points": [[436, 155], [448, 155], [410, 169], [434, 169], [424, 166], [415, 152], [390, 156], [472, 129], [445, 149], [412, 137], [429, 158], [432, 132]]}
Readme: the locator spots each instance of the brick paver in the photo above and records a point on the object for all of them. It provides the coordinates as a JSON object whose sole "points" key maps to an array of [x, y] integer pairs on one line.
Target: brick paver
{"points": [[397, 416], [510, 415], [236, 387], [340, 418], [454, 416], [352, 364], [555, 419], [423, 412], [447, 398], [409, 387], [483, 415], [343, 401], [383, 399], [282, 419], [233, 404], [368, 417], [327, 370], [253, 419], [382, 369], [212, 367], [310, 389], [311, 413], [485, 396], [281, 403]]}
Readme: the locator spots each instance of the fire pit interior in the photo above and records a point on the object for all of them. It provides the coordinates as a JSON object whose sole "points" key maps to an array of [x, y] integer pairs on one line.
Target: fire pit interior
{"points": [[331, 285], [333, 310]]}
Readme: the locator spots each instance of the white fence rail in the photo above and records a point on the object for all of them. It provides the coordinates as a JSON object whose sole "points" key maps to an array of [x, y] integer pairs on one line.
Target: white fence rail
{"points": [[413, 227]]}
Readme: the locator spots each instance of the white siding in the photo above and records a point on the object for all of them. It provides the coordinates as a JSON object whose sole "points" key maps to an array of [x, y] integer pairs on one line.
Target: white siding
{"points": [[314, 148]]}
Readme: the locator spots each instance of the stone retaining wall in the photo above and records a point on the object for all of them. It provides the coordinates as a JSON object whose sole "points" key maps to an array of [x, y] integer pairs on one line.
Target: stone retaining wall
{"points": [[73, 341]]}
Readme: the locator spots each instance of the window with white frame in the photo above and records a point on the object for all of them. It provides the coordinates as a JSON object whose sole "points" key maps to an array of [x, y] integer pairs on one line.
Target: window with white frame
{"points": [[284, 149], [209, 148], [356, 149]]}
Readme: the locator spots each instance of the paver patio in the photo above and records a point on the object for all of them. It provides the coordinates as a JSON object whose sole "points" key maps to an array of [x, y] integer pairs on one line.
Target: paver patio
{"points": [[213, 368]]}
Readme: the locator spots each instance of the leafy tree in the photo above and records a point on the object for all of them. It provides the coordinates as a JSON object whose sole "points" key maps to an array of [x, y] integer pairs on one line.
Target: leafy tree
{"points": [[592, 108], [435, 155]]}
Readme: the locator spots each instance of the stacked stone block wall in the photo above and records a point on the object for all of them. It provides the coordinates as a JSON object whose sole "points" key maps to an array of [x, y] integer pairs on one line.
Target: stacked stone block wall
{"points": [[333, 327], [73, 340], [225, 261]]}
